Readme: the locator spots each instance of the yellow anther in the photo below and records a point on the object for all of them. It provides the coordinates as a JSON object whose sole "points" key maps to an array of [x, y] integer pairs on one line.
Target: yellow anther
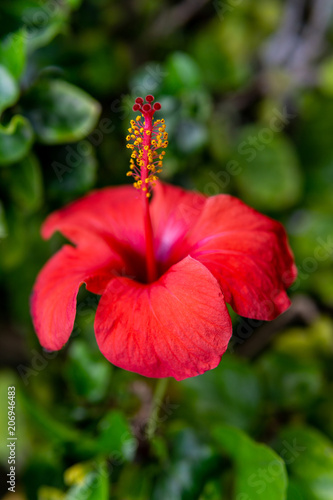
{"points": [[138, 118]]}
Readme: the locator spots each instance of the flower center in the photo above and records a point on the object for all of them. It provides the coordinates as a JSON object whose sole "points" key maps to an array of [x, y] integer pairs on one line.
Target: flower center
{"points": [[145, 139]]}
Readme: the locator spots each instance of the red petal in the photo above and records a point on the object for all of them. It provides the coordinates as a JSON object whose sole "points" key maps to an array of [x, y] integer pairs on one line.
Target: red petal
{"points": [[248, 253], [53, 302], [178, 326], [173, 211], [115, 214]]}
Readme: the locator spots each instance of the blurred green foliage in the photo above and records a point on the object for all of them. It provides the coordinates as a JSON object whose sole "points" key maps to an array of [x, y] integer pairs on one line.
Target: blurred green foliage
{"points": [[242, 119]]}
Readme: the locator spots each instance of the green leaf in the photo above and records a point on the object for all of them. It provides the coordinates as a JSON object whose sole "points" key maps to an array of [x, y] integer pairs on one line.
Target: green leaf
{"points": [[309, 341], [13, 53], [212, 490], [89, 374], [231, 393], [326, 76], [61, 112], [47, 424], [134, 483], [220, 69], [9, 91], [191, 136], [74, 4], [259, 472], [90, 482], [182, 73], [73, 170], [115, 436], [16, 139], [309, 456], [192, 462], [43, 35], [25, 183], [291, 383], [43, 467], [270, 177], [3, 224]]}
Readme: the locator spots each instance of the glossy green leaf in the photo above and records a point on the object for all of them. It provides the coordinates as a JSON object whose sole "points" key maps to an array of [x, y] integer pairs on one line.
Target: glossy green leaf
{"points": [[270, 176], [16, 139], [192, 461], [25, 183], [9, 91], [13, 53], [191, 136], [61, 112], [259, 472], [182, 73], [309, 456], [87, 372], [73, 170], [43, 35], [115, 437]]}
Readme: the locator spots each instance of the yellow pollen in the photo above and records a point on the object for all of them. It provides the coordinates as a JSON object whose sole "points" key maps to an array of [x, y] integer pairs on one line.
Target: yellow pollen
{"points": [[145, 142]]}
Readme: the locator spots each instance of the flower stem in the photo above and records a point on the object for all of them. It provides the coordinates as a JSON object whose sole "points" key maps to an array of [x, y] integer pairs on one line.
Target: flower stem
{"points": [[157, 400]]}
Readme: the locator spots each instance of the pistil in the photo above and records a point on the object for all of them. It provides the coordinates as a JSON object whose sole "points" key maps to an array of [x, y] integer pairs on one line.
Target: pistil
{"points": [[145, 138]]}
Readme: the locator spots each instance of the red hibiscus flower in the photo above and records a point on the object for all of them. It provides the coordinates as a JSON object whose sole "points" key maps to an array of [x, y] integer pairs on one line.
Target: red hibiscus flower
{"points": [[165, 267]]}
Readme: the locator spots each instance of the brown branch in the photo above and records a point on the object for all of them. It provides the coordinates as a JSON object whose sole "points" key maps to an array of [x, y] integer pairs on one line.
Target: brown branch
{"points": [[302, 308], [173, 18]]}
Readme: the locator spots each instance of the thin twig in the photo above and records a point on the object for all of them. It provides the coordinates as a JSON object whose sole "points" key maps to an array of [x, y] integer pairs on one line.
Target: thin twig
{"points": [[173, 18]]}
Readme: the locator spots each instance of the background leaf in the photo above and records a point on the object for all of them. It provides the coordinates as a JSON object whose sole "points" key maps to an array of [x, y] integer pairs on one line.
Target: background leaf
{"points": [[15, 140], [259, 471], [9, 91], [61, 112], [13, 53], [310, 460]]}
